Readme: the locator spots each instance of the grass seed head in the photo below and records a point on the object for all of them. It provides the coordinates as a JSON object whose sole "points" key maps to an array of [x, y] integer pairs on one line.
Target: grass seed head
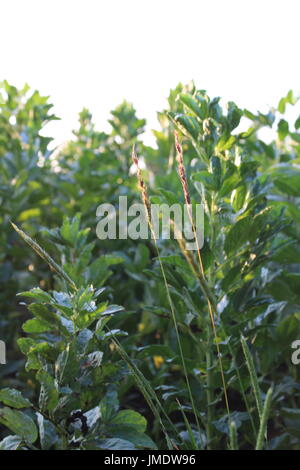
{"points": [[142, 185], [181, 169]]}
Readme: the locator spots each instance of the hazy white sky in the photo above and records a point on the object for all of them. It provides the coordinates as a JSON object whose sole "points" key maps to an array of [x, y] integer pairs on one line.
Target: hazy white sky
{"points": [[94, 53]]}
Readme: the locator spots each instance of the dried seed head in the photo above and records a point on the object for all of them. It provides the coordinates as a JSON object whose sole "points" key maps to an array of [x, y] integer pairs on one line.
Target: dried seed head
{"points": [[142, 185], [181, 170]]}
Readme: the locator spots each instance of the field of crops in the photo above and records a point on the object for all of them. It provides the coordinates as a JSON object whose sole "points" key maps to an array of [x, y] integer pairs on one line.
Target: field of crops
{"points": [[142, 342]]}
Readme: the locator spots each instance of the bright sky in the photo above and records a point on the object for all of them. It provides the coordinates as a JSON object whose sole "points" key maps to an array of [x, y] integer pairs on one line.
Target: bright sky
{"points": [[94, 53]]}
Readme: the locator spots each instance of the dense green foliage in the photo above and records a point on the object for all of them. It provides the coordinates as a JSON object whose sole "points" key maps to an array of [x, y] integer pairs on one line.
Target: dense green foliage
{"points": [[104, 367]]}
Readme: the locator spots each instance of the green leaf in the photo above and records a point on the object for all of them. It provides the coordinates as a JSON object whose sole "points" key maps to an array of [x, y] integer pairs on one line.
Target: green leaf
{"points": [[110, 444], [229, 184], [37, 294], [155, 350], [225, 142], [188, 125], [216, 170], [295, 136], [132, 419], [33, 350], [94, 359], [111, 310], [19, 423], [192, 104], [238, 198], [233, 116], [230, 277], [256, 226], [140, 440], [10, 443], [109, 405], [248, 170], [207, 179], [288, 99], [14, 398], [66, 366], [47, 432], [175, 260], [286, 179], [49, 393], [169, 196], [40, 311], [237, 235], [111, 259], [288, 253], [46, 317], [70, 228], [83, 339], [283, 129], [35, 325]]}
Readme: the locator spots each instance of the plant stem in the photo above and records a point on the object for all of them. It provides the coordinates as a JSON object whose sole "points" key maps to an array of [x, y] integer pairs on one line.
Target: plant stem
{"points": [[233, 436], [253, 376], [264, 420], [209, 390]]}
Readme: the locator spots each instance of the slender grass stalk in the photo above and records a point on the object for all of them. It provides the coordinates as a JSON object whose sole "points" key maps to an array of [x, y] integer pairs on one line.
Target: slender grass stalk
{"points": [[206, 290], [147, 391], [264, 420], [195, 269], [211, 307], [253, 377], [44, 255], [188, 426], [147, 206], [242, 389], [233, 436], [209, 390]]}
